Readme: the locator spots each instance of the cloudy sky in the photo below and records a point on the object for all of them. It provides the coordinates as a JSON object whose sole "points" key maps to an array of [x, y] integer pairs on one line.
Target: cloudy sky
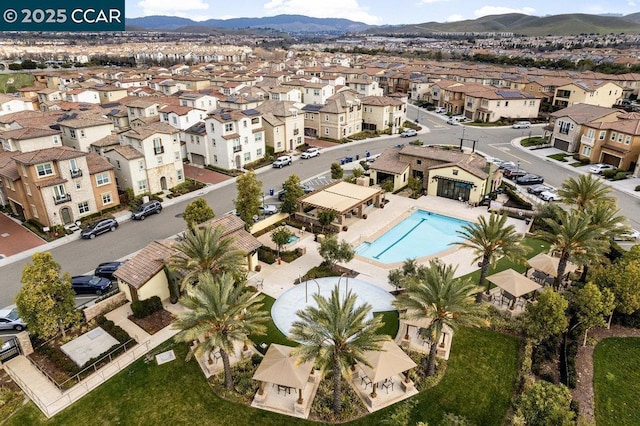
{"points": [[375, 12]]}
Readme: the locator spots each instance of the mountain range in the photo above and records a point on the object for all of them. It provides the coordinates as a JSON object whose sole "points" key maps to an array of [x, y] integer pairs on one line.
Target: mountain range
{"points": [[566, 24]]}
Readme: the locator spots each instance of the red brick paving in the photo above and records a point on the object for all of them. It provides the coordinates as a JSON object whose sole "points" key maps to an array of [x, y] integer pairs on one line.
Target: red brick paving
{"points": [[203, 175], [320, 143], [15, 238]]}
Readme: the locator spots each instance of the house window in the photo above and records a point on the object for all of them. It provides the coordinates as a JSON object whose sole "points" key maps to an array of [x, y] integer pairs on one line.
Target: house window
{"points": [[326, 117], [140, 165], [44, 170], [213, 128], [83, 207], [176, 155], [157, 146], [56, 141], [586, 151], [590, 133], [27, 189], [246, 140], [455, 172], [613, 136], [215, 159], [247, 156], [620, 137], [142, 185], [228, 127], [106, 198], [175, 120], [179, 175], [244, 123], [72, 133], [78, 184], [102, 179], [326, 130], [418, 162], [259, 152], [258, 137], [82, 133], [118, 164], [34, 210], [159, 160], [627, 140], [506, 103], [498, 103], [602, 135]]}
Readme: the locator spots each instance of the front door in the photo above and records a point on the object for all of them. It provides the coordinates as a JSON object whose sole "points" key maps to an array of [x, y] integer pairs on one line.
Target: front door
{"points": [[65, 214], [163, 183]]}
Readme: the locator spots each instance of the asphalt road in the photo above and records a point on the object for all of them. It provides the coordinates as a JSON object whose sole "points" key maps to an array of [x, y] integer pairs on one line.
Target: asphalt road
{"points": [[81, 256]]}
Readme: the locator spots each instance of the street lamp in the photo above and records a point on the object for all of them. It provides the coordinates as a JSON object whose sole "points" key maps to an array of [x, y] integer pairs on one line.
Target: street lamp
{"points": [[517, 168]]}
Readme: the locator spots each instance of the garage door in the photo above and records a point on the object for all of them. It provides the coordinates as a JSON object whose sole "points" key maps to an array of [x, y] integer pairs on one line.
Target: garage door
{"points": [[610, 159], [560, 144], [197, 159]]}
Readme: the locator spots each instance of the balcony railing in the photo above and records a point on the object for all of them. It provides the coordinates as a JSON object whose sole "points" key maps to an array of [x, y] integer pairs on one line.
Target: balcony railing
{"points": [[586, 140], [158, 150], [76, 173], [237, 148], [61, 199]]}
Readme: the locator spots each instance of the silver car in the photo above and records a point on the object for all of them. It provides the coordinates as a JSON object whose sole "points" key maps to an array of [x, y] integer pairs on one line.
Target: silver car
{"points": [[10, 320]]}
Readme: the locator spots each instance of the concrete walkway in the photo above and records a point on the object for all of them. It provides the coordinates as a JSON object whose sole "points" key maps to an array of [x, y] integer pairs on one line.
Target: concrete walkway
{"points": [[52, 400]]}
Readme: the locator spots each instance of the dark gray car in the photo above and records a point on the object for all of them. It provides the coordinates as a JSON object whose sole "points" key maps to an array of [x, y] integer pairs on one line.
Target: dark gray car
{"points": [[146, 209], [99, 227]]}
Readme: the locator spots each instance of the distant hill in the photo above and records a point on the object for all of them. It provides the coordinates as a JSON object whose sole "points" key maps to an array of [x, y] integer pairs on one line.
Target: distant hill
{"points": [[287, 23], [567, 24]]}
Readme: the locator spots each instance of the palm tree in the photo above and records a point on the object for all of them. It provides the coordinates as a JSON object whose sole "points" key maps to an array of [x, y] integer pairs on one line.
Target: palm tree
{"points": [[490, 240], [575, 237], [205, 250], [222, 313], [584, 190], [337, 334], [434, 294]]}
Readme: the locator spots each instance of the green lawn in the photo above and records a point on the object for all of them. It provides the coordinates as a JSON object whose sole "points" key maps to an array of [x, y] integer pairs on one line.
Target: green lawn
{"points": [[15, 81], [616, 364], [274, 335], [478, 384], [391, 320], [536, 246]]}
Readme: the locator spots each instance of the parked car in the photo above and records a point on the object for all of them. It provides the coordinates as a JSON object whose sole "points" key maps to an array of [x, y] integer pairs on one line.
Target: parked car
{"points": [[107, 269], [452, 121], [441, 110], [99, 227], [600, 167], [83, 284], [310, 153], [305, 188], [283, 160], [551, 195], [409, 133], [268, 209], [10, 320], [146, 209], [236, 213], [521, 125], [538, 189], [513, 172], [630, 235], [529, 179], [504, 164]]}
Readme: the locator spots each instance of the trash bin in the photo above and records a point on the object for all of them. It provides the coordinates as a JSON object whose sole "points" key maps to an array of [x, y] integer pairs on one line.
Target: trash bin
{"points": [[357, 157], [342, 161], [271, 192], [367, 154], [349, 159]]}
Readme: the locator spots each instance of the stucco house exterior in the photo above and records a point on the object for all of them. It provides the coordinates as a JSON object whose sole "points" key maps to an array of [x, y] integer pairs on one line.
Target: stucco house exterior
{"points": [[283, 124], [81, 131], [380, 113], [340, 117], [566, 124], [593, 92]]}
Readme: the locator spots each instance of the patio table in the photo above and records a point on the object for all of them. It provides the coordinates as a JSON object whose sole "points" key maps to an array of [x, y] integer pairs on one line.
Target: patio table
{"points": [[285, 389]]}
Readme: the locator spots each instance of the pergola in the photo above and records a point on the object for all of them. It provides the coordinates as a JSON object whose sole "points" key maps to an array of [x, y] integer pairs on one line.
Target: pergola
{"points": [[342, 197]]}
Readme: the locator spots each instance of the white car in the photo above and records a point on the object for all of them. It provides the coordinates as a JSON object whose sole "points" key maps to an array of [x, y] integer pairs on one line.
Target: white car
{"points": [[600, 167], [10, 320], [283, 160], [631, 235], [521, 125], [268, 209], [440, 110], [310, 153], [408, 133], [549, 195]]}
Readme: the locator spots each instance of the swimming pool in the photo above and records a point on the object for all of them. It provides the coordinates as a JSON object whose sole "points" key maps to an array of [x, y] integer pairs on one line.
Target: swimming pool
{"points": [[421, 234], [283, 311]]}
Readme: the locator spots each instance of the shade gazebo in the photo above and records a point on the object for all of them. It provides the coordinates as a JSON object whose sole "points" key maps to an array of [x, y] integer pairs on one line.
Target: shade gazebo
{"points": [[281, 368], [389, 361], [549, 264], [514, 283]]}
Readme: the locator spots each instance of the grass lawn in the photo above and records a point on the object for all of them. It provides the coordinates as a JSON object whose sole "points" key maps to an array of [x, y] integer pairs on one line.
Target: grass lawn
{"points": [[274, 335], [478, 384], [616, 364], [391, 320], [536, 246], [19, 81]]}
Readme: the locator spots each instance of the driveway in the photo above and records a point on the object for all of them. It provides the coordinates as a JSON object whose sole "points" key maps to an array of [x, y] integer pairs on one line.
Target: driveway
{"points": [[203, 175], [15, 238]]}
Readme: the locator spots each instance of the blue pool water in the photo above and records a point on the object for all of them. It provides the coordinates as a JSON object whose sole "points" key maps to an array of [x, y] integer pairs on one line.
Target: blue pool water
{"points": [[293, 239], [421, 234]]}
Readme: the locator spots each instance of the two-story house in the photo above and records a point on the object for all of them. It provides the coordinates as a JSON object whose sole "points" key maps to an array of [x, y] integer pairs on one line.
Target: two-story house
{"points": [[181, 117], [340, 117], [365, 87], [89, 96], [490, 104], [10, 104], [30, 139], [201, 101], [593, 92], [615, 142], [565, 125], [313, 93], [110, 94], [380, 113], [236, 136], [283, 124], [80, 131], [56, 186], [141, 107]]}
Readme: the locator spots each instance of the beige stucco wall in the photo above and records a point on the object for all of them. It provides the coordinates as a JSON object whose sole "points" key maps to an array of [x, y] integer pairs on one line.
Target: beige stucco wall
{"points": [[124, 288], [476, 193], [156, 286]]}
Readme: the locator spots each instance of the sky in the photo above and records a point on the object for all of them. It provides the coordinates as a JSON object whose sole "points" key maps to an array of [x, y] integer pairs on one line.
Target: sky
{"points": [[373, 12]]}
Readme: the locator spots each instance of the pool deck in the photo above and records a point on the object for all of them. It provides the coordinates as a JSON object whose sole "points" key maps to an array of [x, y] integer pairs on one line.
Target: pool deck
{"points": [[275, 279]]}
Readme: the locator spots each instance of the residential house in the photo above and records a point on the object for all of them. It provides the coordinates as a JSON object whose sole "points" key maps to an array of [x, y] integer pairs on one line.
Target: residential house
{"points": [[159, 144], [49, 95], [380, 113], [365, 87], [316, 93], [142, 107], [236, 136], [283, 124], [181, 117], [10, 104], [444, 172], [339, 118], [57, 186], [193, 82], [199, 150], [489, 104], [614, 142], [89, 96], [119, 116], [110, 94], [80, 131], [30, 139], [201, 101], [565, 125], [593, 92]]}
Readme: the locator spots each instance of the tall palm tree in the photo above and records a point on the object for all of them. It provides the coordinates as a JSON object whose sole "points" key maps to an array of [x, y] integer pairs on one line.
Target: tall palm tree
{"points": [[434, 294], [222, 313], [575, 237], [491, 239], [337, 334], [204, 250], [584, 190]]}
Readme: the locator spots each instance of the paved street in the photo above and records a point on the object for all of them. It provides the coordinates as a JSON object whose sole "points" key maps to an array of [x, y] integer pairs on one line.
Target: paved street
{"points": [[79, 257]]}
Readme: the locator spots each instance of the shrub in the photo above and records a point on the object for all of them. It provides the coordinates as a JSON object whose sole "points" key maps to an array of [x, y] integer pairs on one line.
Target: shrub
{"points": [[637, 188], [144, 308], [114, 330], [609, 174], [620, 176], [265, 255]]}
